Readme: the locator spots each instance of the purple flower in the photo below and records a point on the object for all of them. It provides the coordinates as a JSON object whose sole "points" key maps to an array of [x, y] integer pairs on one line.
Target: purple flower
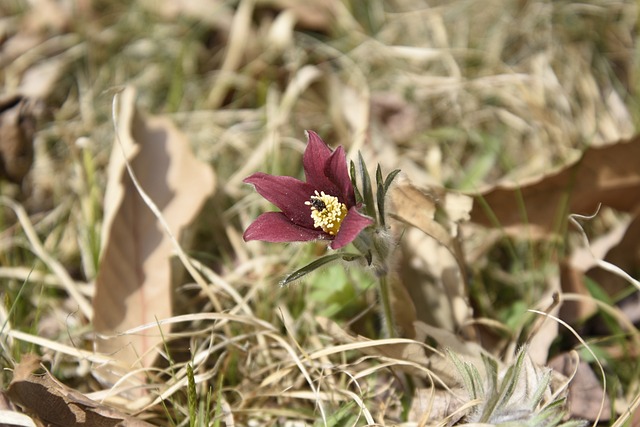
{"points": [[323, 207]]}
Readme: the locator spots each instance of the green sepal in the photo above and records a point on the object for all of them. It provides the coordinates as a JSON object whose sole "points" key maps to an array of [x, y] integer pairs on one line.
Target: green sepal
{"points": [[363, 244], [367, 190], [320, 262]]}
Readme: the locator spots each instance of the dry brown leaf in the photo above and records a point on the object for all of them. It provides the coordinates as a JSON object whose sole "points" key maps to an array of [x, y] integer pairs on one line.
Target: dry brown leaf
{"points": [[607, 175], [17, 128], [585, 391], [58, 405], [133, 286]]}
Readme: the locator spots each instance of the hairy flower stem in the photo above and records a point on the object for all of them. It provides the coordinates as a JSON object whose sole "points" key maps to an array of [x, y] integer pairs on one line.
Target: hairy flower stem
{"points": [[386, 305], [373, 243]]}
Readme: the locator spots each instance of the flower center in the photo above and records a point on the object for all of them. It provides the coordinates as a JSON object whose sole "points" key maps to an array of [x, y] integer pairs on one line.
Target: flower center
{"points": [[327, 212]]}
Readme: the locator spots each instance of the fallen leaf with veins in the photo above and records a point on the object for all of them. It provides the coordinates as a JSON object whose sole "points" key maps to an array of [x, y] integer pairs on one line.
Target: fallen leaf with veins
{"points": [[133, 286]]}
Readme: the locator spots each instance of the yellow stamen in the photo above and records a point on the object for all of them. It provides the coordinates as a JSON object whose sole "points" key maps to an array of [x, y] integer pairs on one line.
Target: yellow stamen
{"points": [[327, 212]]}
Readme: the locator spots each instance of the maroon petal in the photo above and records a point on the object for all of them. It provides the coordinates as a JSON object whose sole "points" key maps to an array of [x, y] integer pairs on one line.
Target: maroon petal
{"points": [[276, 227], [336, 170], [314, 160], [351, 226], [287, 193]]}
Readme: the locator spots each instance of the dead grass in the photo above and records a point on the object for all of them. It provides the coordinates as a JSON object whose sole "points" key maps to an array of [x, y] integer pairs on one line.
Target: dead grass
{"points": [[457, 94]]}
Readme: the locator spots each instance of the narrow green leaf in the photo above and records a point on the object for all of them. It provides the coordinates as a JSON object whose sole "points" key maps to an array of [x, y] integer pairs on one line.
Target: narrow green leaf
{"points": [[543, 385], [389, 180], [465, 375], [367, 191], [352, 169], [380, 202], [383, 187], [378, 175], [206, 411], [547, 418], [510, 380], [491, 367], [320, 262]]}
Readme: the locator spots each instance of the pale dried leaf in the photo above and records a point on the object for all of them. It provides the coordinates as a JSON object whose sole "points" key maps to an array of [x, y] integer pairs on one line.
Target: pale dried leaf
{"points": [[432, 266], [133, 286], [417, 208], [281, 32], [40, 80], [432, 278], [434, 405], [15, 419]]}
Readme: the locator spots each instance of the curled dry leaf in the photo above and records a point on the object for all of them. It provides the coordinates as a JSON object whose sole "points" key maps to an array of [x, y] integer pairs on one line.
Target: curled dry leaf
{"points": [[133, 286], [607, 175], [58, 405]]}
